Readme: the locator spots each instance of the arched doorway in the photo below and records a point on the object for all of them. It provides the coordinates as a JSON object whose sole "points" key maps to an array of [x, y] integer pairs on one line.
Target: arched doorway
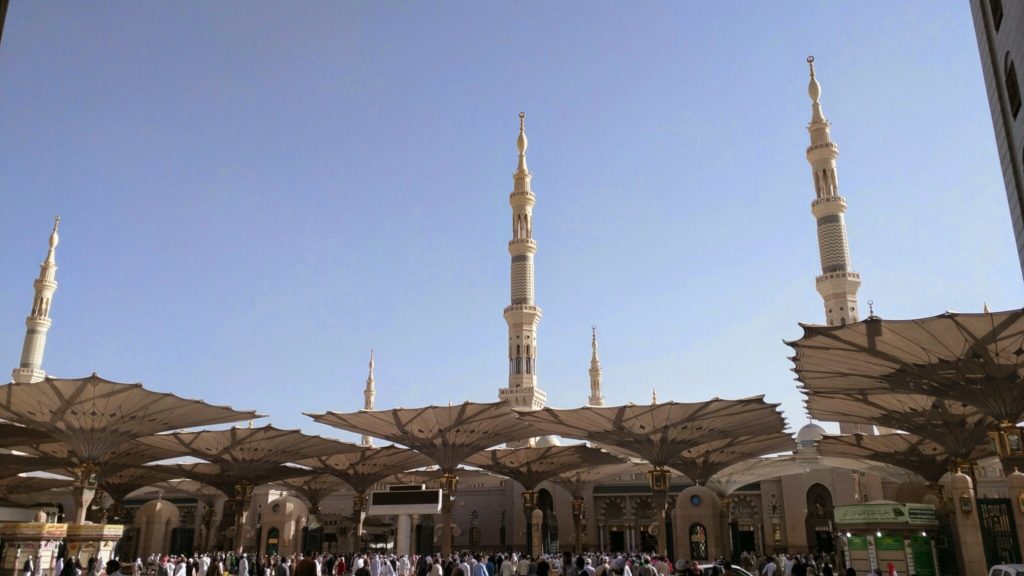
{"points": [[698, 542], [549, 525], [273, 541], [819, 519]]}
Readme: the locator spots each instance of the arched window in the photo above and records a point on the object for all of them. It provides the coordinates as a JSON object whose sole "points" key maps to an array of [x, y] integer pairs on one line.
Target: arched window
{"points": [[997, 12], [698, 542], [1012, 87]]}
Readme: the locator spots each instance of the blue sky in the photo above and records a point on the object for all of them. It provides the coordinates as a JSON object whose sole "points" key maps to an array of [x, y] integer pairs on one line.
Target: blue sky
{"points": [[255, 194]]}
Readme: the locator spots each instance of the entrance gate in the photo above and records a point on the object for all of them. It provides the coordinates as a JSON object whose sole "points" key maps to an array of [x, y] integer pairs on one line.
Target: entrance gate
{"points": [[998, 532]]}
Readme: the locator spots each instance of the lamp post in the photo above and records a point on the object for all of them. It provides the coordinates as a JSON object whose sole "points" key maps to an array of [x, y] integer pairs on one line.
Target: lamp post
{"points": [[259, 530], [359, 502], [579, 515], [659, 479], [449, 482], [529, 505]]}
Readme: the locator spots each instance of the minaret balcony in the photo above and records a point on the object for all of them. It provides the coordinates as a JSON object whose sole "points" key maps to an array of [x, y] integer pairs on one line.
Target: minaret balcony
{"points": [[522, 198], [823, 146], [828, 205], [38, 322], [519, 246], [523, 314]]}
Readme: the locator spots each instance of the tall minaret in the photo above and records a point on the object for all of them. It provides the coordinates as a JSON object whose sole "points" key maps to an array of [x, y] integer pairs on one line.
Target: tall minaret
{"points": [[596, 399], [837, 283], [368, 396], [38, 321], [522, 315]]}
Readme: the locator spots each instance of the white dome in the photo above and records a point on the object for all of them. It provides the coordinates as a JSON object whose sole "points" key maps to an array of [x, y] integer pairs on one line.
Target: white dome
{"points": [[809, 434], [548, 442]]}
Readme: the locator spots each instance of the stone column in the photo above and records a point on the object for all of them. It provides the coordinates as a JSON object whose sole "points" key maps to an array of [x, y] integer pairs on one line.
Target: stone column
{"points": [[359, 502], [449, 482], [529, 505], [659, 479], [967, 525], [84, 489], [403, 534]]}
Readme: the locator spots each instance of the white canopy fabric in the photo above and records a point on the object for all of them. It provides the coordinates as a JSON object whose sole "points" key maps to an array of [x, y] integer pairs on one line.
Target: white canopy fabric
{"points": [[702, 462], [94, 416], [957, 429], [659, 433], [973, 359], [908, 451], [529, 466], [242, 451], [363, 468], [448, 435]]}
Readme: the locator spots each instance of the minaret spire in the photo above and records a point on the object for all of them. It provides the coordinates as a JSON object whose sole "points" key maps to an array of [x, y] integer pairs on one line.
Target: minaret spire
{"points": [[838, 283], [596, 399], [38, 321], [522, 315], [368, 396]]}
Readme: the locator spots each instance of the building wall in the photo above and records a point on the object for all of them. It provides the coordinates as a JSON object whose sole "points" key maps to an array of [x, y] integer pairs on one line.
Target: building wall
{"points": [[999, 47]]}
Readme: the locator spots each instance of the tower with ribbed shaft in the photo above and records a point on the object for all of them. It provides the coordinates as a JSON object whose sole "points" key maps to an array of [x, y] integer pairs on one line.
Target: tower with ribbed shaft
{"points": [[368, 395], [596, 399], [838, 283], [522, 315], [38, 322]]}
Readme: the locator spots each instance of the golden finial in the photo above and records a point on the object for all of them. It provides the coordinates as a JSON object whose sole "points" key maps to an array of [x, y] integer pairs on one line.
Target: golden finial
{"points": [[810, 62], [56, 223], [522, 121]]}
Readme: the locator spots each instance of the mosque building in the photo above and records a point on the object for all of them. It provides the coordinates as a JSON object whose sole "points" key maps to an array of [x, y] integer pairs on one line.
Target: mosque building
{"points": [[782, 503]]}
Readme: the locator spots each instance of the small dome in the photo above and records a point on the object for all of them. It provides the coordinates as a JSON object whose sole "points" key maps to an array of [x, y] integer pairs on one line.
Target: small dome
{"points": [[1015, 480], [809, 434], [961, 481], [548, 442]]}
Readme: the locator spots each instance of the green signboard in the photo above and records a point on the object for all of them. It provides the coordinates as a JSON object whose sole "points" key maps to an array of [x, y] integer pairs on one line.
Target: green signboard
{"points": [[889, 543], [918, 514], [924, 562], [857, 542]]}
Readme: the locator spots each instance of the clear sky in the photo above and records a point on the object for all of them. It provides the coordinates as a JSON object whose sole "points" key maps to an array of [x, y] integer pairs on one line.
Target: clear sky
{"points": [[255, 194]]}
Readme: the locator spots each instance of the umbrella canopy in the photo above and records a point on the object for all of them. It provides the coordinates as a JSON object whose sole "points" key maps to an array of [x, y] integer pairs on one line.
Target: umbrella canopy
{"points": [[744, 473], [659, 433], [313, 488], [578, 481], [125, 455], [94, 416], [363, 468], [957, 429], [227, 478], [908, 451], [973, 359], [529, 466], [445, 434], [30, 484], [244, 451], [13, 464], [14, 435], [120, 484], [702, 462]]}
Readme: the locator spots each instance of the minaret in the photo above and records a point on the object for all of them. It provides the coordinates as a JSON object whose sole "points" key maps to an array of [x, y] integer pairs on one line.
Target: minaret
{"points": [[596, 399], [368, 395], [522, 315], [837, 283], [38, 321]]}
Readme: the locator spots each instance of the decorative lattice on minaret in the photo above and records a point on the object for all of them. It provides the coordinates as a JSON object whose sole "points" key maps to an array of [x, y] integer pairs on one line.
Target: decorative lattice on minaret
{"points": [[596, 399], [838, 283], [38, 322], [522, 315]]}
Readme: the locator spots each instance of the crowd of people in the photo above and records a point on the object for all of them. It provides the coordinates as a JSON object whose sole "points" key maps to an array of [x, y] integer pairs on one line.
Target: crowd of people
{"points": [[456, 564]]}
